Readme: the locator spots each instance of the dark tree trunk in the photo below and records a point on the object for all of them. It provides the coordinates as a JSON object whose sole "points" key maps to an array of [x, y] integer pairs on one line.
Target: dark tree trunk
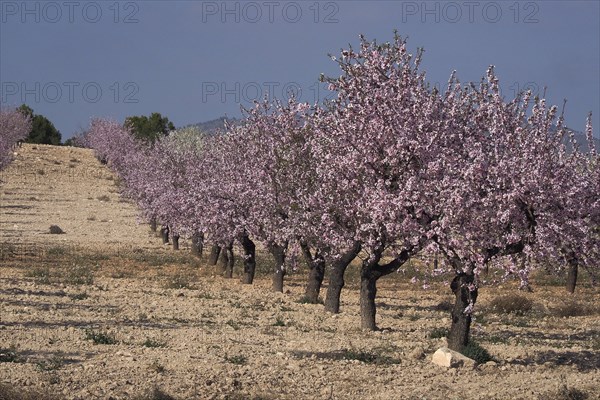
{"points": [[197, 244], [227, 260], [153, 224], [249, 260], [175, 241], [334, 290], [164, 234], [572, 276], [336, 278], [370, 272], [278, 253], [368, 291], [461, 321], [223, 260], [316, 272], [214, 254], [230, 263]]}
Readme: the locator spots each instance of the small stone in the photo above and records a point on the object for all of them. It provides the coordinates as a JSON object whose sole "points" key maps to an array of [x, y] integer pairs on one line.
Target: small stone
{"points": [[445, 357], [417, 353], [56, 230]]}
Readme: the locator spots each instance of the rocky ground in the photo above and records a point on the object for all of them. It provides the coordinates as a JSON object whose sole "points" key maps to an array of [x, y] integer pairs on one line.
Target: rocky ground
{"points": [[105, 311]]}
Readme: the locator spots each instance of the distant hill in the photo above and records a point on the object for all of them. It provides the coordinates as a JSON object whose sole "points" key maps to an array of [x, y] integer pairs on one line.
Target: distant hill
{"points": [[215, 125], [582, 141]]}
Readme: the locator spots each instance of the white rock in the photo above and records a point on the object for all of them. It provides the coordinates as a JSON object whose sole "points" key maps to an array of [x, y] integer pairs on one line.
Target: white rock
{"points": [[445, 357]]}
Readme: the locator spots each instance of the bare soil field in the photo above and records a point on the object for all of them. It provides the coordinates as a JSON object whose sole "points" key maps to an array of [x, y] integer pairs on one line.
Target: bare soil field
{"points": [[105, 311]]}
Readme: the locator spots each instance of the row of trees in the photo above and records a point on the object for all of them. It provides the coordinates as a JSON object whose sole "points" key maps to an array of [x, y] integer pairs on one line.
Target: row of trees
{"points": [[42, 130], [390, 168]]}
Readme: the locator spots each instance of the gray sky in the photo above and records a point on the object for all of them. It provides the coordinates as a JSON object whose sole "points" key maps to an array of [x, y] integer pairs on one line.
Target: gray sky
{"points": [[197, 60]]}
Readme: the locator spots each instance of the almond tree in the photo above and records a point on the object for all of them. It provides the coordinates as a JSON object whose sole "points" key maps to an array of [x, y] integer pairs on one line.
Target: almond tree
{"points": [[515, 192], [273, 173], [172, 160], [384, 145], [571, 235], [216, 198], [113, 145], [14, 128], [131, 159]]}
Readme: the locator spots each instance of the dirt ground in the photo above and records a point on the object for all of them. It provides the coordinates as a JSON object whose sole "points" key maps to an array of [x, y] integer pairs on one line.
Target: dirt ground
{"points": [[105, 311]]}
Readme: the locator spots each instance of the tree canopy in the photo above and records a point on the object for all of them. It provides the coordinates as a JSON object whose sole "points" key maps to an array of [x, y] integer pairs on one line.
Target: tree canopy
{"points": [[149, 128], [42, 129]]}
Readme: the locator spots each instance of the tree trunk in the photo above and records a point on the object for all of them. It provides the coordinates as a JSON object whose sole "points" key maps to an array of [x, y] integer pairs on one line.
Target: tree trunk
{"points": [[227, 260], [572, 276], [249, 260], [223, 260], [164, 234], [334, 290], [461, 321], [214, 254], [175, 241], [153, 224], [370, 272], [336, 278], [197, 244], [316, 265], [278, 253], [368, 291]]}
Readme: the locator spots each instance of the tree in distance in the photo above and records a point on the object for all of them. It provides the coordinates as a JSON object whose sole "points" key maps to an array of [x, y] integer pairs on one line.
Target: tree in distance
{"points": [[42, 129], [149, 128]]}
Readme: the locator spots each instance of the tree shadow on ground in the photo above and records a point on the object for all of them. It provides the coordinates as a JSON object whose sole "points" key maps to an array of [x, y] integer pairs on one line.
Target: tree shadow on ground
{"points": [[21, 292], [404, 307], [38, 324], [38, 356], [583, 360], [367, 357], [544, 336], [45, 306]]}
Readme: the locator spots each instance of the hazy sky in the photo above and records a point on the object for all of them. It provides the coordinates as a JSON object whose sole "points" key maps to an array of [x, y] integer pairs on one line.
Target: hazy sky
{"points": [[197, 60]]}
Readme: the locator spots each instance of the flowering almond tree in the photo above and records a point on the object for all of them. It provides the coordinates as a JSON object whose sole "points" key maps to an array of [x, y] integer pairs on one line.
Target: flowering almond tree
{"points": [[217, 198], [272, 175], [571, 234], [171, 160], [516, 193], [113, 144], [382, 148], [183, 152], [14, 128], [131, 159]]}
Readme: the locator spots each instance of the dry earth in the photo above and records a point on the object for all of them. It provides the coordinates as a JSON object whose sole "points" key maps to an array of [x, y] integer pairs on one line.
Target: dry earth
{"points": [[179, 327]]}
